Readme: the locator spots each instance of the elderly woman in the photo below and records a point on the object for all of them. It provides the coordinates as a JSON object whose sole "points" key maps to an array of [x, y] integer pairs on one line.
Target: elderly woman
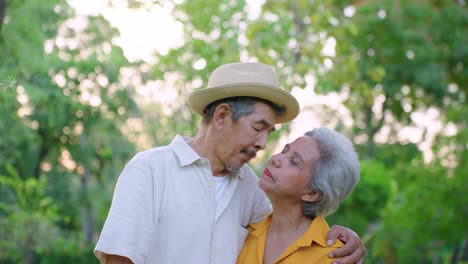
{"points": [[305, 182]]}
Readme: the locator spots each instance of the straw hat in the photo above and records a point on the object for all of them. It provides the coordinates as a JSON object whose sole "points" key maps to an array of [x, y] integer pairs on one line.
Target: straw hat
{"points": [[245, 79]]}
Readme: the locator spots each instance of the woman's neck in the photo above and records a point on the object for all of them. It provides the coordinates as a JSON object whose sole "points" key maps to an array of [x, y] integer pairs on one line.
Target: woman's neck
{"points": [[287, 225], [289, 219]]}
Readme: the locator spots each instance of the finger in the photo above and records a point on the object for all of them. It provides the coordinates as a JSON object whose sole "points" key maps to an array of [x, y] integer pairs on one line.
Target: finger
{"points": [[352, 245], [334, 233], [346, 250], [350, 259], [357, 256]]}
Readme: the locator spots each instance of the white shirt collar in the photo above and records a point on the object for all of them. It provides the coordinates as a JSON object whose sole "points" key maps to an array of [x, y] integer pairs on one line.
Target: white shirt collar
{"points": [[184, 152], [187, 155]]}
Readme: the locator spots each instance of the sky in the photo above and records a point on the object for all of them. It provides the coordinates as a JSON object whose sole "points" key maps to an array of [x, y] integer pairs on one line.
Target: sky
{"points": [[134, 25]]}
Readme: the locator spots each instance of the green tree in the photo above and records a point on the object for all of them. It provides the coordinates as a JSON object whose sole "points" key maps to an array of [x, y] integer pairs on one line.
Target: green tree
{"points": [[25, 204], [63, 107]]}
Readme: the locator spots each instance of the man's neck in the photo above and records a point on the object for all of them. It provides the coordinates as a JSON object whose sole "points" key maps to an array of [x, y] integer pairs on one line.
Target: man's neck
{"points": [[205, 147]]}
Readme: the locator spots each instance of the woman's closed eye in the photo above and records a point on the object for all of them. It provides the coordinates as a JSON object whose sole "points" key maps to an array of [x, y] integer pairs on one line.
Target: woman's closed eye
{"points": [[293, 162]]}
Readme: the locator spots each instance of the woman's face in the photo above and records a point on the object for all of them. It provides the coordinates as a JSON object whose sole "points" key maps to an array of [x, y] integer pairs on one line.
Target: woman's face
{"points": [[288, 173]]}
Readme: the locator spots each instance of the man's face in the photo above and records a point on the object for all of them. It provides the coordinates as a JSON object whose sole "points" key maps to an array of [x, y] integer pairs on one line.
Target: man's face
{"points": [[244, 138]]}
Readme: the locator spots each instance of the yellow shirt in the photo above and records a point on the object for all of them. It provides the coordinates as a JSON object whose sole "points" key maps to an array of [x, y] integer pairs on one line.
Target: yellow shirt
{"points": [[309, 248]]}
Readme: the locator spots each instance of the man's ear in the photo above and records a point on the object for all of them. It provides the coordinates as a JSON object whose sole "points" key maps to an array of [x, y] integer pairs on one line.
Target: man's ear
{"points": [[312, 196], [221, 113]]}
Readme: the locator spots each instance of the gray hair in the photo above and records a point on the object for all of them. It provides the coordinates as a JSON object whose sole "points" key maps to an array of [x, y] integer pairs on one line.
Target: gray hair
{"points": [[334, 174], [240, 106]]}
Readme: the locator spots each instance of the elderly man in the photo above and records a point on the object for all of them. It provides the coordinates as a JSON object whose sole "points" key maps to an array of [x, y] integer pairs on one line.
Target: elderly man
{"points": [[191, 201]]}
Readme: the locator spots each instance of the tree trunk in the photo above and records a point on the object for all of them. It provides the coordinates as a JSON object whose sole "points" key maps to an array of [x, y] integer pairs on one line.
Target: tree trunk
{"points": [[299, 25], [3, 4], [369, 130], [464, 256], [456, 252], [87, 215]]}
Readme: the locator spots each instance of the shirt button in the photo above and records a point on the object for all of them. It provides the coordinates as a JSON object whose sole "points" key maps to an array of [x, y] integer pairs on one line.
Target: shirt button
{"points": [[210, 184]]}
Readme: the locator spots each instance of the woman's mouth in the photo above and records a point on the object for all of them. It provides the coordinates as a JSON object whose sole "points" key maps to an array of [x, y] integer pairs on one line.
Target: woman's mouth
{"points": [[267, 173]]}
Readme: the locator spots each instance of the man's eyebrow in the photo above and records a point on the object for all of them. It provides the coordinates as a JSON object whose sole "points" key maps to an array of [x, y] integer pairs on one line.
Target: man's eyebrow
{"points": [[266, 124]]}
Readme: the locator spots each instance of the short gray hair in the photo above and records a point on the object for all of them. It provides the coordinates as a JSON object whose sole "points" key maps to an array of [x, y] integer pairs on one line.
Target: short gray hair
{"points": [[240, 106], [334, 174]]}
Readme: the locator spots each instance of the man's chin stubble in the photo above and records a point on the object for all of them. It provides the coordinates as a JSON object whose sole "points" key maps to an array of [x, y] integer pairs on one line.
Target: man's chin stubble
{"points": [[232, 169]]}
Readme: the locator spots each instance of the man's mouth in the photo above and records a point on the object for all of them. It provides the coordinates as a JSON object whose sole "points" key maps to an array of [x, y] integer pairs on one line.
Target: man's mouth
{"points": [[249, 153]]}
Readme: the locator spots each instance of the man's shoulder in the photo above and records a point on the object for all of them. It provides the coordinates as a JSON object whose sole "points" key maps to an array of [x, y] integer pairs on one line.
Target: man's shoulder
{"points": [[247, 173], [160, 150], [157, 151], [151, 156]]}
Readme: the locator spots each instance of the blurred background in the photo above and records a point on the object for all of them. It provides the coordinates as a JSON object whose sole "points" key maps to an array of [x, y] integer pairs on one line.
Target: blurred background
{"points": [[85, 84]]}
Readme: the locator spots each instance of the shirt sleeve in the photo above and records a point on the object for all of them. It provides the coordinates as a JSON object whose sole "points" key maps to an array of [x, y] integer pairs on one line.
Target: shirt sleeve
{"points": [[128, 229]]}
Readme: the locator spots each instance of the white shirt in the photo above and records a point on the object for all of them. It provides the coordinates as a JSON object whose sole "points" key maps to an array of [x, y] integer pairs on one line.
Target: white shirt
{"points": [[164, 210], [221, 184]]}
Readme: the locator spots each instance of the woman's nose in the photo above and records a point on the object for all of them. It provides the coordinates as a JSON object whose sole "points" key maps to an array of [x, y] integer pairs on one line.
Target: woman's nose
{"points": [[276, 160]]}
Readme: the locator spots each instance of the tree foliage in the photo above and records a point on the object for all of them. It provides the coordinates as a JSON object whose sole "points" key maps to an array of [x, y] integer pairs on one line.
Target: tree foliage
{"points": [[62, 108]]}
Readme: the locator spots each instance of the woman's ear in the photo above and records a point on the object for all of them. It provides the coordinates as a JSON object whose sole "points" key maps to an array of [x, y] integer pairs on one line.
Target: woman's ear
{"points": [[312, 196], [221, 112]]}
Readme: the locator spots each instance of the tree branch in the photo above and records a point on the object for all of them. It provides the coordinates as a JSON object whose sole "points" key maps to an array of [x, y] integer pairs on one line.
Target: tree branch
{"points": [[299, 28]]}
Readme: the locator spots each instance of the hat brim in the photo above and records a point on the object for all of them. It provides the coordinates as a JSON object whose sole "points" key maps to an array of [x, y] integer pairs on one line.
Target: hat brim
{"points": [[199, 99]]}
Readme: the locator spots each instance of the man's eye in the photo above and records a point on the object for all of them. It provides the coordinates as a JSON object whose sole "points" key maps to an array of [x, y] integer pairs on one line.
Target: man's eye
{"points": [[256, 129]]}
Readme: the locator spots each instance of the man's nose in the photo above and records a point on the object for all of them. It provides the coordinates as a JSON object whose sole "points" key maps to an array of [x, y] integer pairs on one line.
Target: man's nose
{"points": [[261, 140]]}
